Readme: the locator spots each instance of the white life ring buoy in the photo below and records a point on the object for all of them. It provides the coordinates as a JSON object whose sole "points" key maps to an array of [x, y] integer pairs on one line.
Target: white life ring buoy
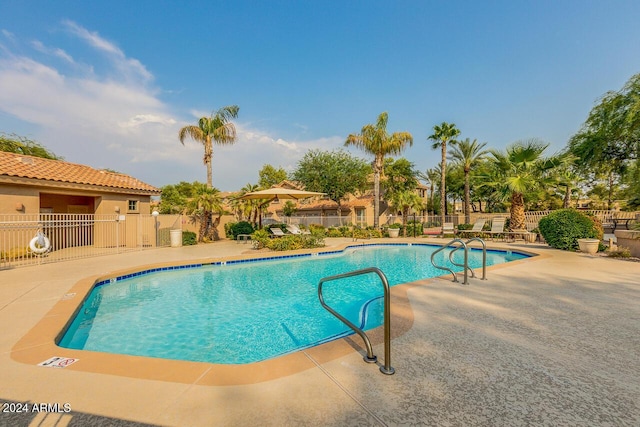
{"points": [[43, 246]]}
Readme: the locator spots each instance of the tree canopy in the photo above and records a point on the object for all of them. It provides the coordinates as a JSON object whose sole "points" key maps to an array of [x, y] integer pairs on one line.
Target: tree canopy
{"points": [[270, 176], [336, 173], [12, 143], [610, 137], [218, 127]]}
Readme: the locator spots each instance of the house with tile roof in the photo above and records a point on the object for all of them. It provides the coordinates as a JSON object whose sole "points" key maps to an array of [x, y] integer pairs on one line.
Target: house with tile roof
{"points": [[32, 185], [355, 209]]}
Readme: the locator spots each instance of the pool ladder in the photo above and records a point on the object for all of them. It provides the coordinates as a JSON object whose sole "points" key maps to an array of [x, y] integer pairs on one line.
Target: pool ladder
{"points": [[465, 265], [370, 357]]}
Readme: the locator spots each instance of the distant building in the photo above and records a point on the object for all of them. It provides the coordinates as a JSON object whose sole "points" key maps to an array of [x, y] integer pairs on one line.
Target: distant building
{"points": [[31, 185]]}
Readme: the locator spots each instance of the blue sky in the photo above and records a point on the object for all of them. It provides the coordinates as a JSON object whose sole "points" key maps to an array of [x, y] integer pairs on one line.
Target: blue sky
{"points": [[109, 84]]}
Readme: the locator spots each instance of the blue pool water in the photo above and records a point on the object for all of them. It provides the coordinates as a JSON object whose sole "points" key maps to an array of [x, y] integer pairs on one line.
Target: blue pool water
{"points": [[245, 312]]}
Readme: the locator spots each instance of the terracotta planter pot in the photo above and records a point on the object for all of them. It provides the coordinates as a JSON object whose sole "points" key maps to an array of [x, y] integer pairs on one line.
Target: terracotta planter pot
{"points": [[589, 246]]}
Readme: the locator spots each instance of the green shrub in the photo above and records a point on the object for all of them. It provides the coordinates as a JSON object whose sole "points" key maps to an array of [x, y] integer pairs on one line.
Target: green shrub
{"points": [[375, 234], [562, 228], [236, 228], [293, 242], [621, 252], [414, 228], [189, 238], [334, 232], [260, 238]]}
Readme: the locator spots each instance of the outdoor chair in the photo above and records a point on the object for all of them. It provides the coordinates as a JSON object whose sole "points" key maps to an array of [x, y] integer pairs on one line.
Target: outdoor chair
{"points": [[294, 229], [497, 228], [277, 232], [477, 227], [448, 228]]}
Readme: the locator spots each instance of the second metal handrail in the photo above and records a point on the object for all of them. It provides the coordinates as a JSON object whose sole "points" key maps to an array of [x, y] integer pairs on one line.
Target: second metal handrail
{"points": [[455, 276], [465, 265], [370, 357]]}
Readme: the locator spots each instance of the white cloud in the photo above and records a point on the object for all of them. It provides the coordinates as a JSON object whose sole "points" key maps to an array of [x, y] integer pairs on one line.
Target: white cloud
{"points": [[129, 67], [116, 122], [8, 34], [52, 51]]}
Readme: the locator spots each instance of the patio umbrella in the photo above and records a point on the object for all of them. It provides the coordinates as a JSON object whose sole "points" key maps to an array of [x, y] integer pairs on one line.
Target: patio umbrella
{"points": [[277, 193]]}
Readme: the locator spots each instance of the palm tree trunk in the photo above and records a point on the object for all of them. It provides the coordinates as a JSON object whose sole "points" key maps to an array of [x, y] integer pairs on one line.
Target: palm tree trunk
{"points": [[518, 218], [405, 213], [377, 166], [467, 198], [208, 153], [567, 197], [202, 229], [443, 174], [215, 235]]}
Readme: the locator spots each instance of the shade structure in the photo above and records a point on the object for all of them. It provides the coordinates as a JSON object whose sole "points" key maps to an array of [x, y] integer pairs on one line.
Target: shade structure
{"points": [[279, 193]]}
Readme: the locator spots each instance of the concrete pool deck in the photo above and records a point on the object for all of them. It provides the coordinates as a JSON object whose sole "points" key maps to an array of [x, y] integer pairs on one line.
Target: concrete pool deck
{"points": [[550, 341]]}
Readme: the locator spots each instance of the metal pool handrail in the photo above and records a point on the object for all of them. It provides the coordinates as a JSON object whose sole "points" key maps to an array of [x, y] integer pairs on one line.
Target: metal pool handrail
{"points": [[455, 276], [370, 357], [465, 266], [484, 258]]}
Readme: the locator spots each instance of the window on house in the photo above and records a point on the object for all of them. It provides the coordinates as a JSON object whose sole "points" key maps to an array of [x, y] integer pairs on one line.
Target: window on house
{"points": [[133, 206], [360, 216]]}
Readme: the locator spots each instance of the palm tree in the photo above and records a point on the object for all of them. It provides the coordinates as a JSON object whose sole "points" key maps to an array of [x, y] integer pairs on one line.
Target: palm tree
{"points": [[521, 169], [431, 176], [218, 128], [405, 200], [468, 154], [443, 134], [374, 139], [206, 202]]}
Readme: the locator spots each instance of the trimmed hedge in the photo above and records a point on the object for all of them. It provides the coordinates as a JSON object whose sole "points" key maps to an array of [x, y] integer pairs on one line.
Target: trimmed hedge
{"points": [[236, 228], [562, 228]]}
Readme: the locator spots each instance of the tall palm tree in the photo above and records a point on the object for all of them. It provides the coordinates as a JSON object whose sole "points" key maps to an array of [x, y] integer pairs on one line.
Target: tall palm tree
{"points": [[468, 154], [521, 169], [442, 135], [218, 128], [374, 139]]}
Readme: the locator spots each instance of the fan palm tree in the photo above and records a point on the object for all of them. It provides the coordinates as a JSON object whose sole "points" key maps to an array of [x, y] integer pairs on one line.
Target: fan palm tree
{"points": [[218, 128], [374, 139], [442, 135], [468, 154], [405, 200], [206, 202], [521, 169]]}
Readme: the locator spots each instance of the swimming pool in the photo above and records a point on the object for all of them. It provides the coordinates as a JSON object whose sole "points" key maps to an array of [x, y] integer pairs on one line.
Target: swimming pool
{"points": [[247, 311]]}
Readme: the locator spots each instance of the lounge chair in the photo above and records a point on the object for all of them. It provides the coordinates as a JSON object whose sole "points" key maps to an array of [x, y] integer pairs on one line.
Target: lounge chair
{"points": [[277, 232], [477, 227], [294, 229], [497, 227], [447, 228]]}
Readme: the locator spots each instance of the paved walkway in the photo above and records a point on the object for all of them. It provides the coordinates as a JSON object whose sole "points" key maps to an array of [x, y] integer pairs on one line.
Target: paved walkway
{"points": [[550, 341]]}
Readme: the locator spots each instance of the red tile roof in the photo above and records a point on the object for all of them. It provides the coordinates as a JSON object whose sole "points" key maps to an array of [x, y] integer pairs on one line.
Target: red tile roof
{"points": [[18, 165]]}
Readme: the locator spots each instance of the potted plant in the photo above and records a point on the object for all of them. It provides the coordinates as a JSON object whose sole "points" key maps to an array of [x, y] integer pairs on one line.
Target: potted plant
{"points": [[589, 246], [394, 230]]}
